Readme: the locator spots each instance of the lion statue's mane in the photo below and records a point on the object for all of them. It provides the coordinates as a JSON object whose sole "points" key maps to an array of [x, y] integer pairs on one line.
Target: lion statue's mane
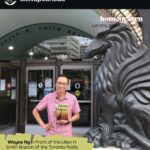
{"points": [[122, 86]]}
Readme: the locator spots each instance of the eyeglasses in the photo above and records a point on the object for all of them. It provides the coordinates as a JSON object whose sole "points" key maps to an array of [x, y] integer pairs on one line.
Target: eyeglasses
{"points": [[60, 83]]}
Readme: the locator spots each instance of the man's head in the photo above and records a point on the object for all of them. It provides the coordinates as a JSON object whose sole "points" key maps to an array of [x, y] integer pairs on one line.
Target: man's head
{"points": [[62, 83]]}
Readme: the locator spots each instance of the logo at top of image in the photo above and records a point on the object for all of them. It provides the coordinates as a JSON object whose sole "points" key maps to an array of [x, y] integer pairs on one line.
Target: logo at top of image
{"points": [[10, 2]]}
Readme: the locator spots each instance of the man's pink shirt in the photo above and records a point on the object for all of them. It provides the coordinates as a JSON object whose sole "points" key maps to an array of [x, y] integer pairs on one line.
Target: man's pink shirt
{"points": [[50, 102]]}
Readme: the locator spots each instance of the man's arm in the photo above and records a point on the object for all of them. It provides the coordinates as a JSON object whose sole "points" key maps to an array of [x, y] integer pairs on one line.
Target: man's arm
{"points": [[38, 118]]}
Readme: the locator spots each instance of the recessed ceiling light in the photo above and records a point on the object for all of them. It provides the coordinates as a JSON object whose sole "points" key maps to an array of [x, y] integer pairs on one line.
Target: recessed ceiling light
{"points": [[95, 57], [31, 53], [46, 58], [10, 47]]}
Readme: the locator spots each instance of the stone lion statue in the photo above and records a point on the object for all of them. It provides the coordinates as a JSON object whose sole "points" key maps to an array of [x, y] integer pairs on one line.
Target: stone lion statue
{"points": [[122, 86]]}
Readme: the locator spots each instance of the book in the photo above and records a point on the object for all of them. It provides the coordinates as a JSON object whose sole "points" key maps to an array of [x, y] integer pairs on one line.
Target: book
{"points": [[62, 112]]}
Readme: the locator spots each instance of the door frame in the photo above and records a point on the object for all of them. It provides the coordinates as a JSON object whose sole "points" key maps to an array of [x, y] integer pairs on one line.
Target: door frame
{"points": [[12, 129]]}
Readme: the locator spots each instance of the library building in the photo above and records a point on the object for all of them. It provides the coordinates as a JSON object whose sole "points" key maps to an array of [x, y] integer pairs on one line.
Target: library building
{"points": [[38, 45]]}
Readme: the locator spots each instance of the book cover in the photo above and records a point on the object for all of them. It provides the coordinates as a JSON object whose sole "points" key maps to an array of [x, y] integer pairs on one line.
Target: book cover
{"points": [[62, 112]]}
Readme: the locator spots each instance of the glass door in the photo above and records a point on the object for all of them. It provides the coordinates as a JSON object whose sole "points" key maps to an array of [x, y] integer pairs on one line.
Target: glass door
{"points": [[81, 85], [40, 82], [8, 96]]}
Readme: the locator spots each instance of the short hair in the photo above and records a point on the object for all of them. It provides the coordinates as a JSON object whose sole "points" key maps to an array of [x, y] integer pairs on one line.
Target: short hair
{"points": [[62, 75]]}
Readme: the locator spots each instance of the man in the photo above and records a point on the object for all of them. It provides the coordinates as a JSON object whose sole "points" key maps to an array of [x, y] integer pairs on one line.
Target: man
{"points": [[58, 125]]}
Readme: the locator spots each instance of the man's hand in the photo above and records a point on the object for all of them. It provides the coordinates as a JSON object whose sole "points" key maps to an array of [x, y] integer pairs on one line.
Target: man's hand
{"points": [[47, 126], [62, 122]]}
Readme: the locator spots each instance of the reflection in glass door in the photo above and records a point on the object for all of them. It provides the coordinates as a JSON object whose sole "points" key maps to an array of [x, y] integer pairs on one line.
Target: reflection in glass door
{"points": [[80, 84]]}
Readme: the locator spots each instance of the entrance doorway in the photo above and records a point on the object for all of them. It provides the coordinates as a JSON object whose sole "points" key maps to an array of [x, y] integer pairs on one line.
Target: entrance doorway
{"points": [[40, 80], [81, 85]]}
